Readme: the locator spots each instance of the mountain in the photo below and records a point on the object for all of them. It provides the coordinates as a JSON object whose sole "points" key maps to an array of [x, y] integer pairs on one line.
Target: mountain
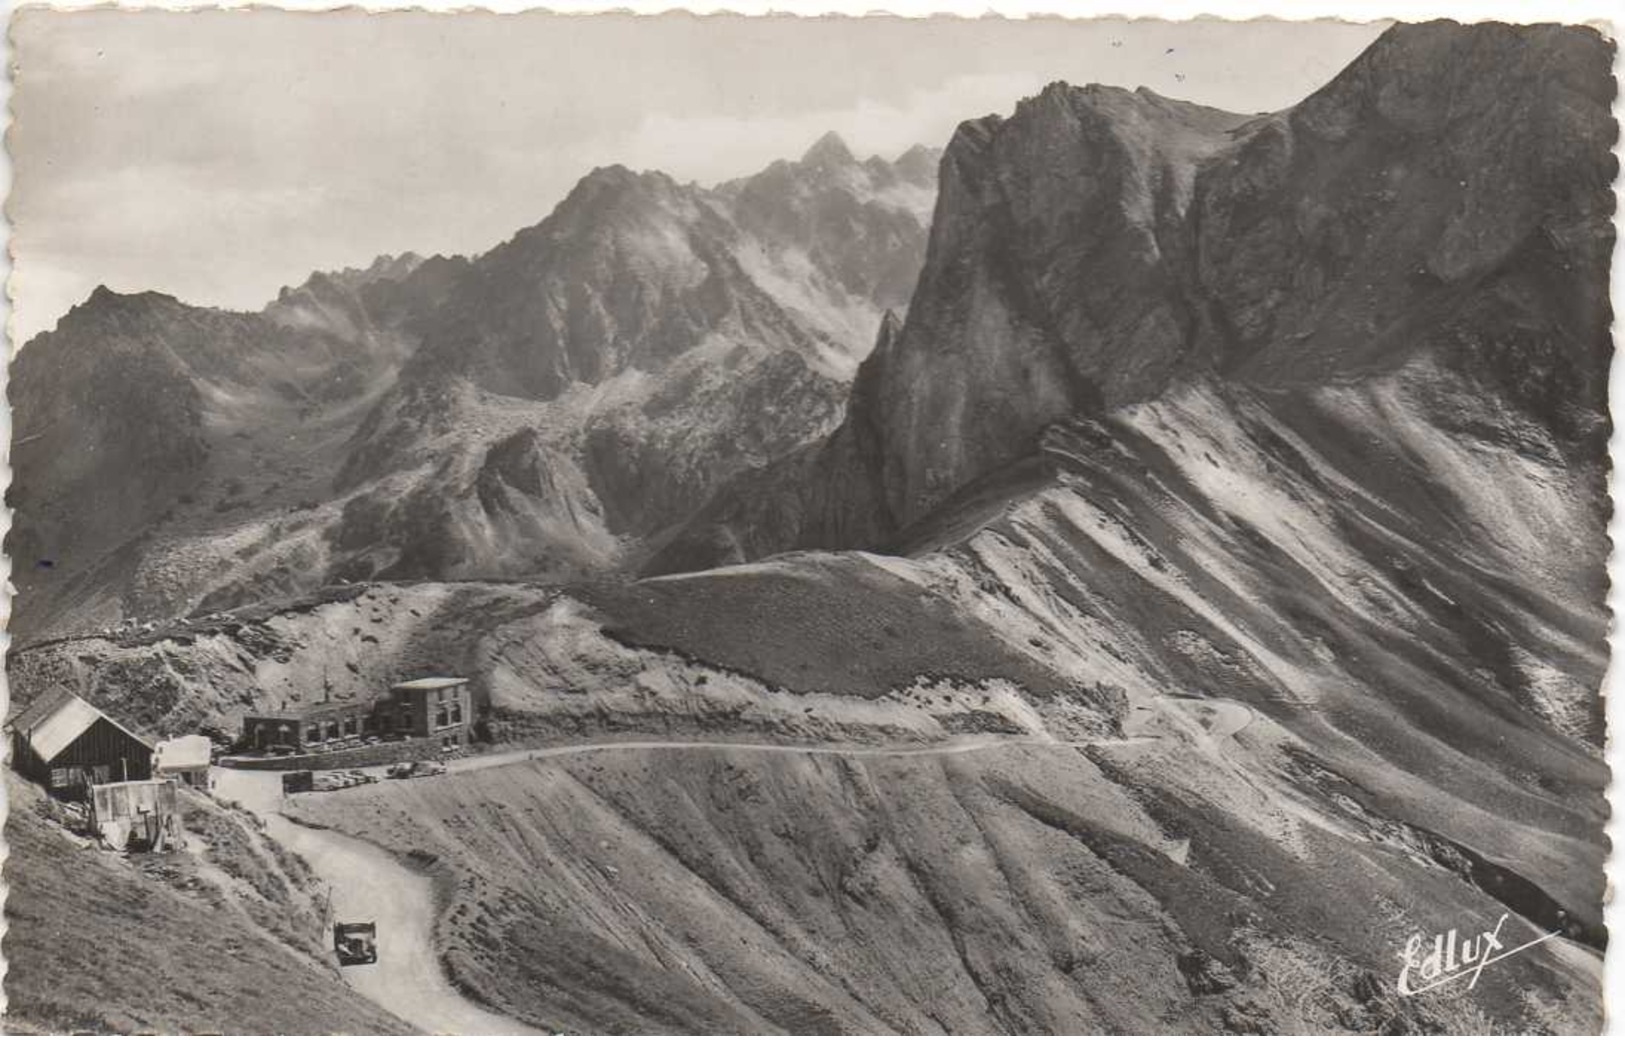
{"points": [[1442, 201], [150, 435], [542, 409], [1199, 597]]}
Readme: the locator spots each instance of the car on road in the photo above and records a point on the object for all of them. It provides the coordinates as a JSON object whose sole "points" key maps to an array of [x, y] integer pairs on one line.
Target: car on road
{"points": [[356, 942], [408, 770], [339, 779]]}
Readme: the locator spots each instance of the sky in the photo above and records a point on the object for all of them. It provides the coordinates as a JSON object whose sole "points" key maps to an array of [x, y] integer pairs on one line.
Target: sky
{"points": [[220, 155]]}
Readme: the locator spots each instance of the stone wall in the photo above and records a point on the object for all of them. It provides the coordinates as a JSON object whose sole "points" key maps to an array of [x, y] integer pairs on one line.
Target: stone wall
{"points": [[381, 754]]}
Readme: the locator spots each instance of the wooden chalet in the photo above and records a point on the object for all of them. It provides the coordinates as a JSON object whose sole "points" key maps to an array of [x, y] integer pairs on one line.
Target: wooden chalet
{"points": [[66, 744]]}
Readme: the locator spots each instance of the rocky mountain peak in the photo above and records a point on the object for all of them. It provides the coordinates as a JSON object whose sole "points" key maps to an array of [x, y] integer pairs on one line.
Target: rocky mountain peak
{"points": [[918, 165], [385, 267], [608, 199], [332, 286], [829, 150], [890, 326], [616, 178], [104, 298], [1402, 76], [108, 312]]}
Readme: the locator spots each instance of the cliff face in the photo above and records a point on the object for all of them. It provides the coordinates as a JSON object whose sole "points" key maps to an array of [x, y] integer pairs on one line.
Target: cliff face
{"points": [[1446, 197], [1054, 282]]}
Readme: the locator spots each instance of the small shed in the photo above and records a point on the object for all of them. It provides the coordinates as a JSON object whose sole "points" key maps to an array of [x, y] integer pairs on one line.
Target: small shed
{"points": [[185, 759], [66, 744], [141, 814]]}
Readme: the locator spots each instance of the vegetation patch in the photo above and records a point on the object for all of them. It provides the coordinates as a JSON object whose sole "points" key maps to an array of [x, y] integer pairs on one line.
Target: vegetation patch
{"points": [[836, 624]]}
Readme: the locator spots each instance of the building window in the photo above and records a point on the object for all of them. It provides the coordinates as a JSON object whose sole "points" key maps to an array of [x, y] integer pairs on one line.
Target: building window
{"points": [[349, 726], [313, 735], [440, 716], [456, 714]]}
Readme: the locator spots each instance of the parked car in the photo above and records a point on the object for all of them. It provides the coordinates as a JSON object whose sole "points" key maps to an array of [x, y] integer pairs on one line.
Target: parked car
{"points": [[339, 779], [408, 770]]}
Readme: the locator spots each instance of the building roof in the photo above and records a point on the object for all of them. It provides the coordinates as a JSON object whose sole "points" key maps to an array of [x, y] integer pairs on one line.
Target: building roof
{"points": [[56, 719], [431, 682], [28, 715], [182, 754], [318, 710]]}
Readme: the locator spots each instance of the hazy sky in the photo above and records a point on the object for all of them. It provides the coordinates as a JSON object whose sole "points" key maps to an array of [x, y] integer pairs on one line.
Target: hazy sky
{"points": [[220, 155]]}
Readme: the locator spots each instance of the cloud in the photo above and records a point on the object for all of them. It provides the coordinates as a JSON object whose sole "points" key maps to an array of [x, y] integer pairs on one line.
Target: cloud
{"points": [[219, 155], [712, 148]]}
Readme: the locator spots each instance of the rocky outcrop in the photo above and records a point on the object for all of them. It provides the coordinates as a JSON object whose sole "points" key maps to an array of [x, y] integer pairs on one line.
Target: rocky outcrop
{"points": [[1054, 283]]}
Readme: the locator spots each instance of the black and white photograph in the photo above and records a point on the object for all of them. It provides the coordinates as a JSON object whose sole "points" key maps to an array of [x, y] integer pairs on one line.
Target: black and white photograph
{"points": [[729, 524]]}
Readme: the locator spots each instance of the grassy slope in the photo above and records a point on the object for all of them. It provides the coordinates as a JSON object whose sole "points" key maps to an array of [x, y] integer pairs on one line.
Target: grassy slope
{"points": [[99, 943], [1181, 552], [837, 623], [1021, 890], [684, 891]]}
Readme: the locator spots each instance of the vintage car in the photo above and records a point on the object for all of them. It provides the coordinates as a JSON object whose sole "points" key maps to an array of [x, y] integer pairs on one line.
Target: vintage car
{"points": [[356, 942]]}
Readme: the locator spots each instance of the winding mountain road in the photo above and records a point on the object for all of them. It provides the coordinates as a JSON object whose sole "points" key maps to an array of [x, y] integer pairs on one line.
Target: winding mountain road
{"points": [[958, 747], [367, 883]]}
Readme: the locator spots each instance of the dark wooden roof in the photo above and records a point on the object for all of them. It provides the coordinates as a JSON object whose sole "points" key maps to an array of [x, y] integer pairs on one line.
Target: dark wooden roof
{"points": [[56, 718], [36, 710]]}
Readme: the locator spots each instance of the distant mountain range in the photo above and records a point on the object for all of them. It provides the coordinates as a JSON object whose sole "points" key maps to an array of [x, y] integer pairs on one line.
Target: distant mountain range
{"points": [[544, 410]]}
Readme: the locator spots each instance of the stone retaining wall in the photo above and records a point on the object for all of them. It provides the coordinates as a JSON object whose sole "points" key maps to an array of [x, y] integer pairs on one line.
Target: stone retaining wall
{"points": [[381, 754]]}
